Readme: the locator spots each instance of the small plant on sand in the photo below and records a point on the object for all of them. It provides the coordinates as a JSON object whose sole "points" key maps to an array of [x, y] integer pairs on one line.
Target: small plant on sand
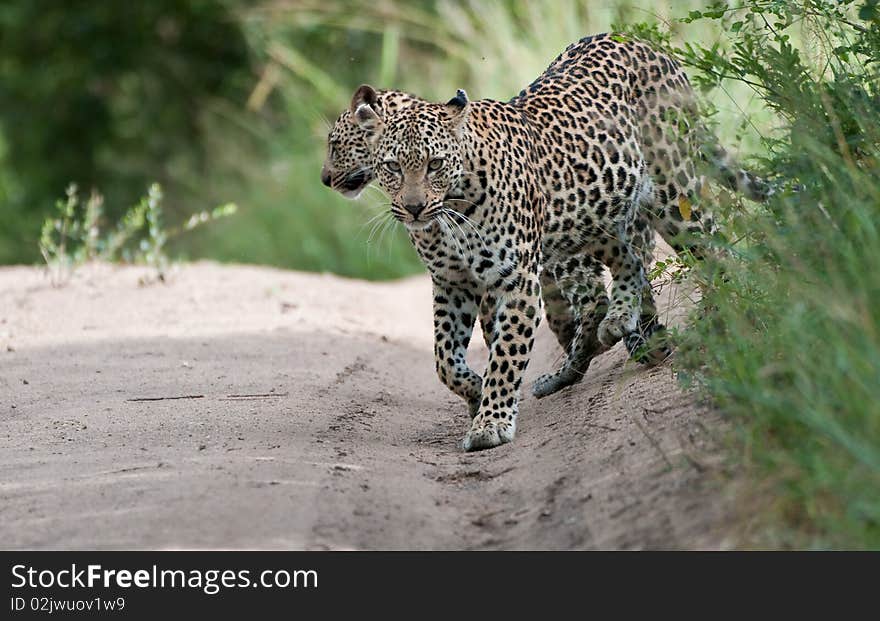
{"points": [[74, 236]]}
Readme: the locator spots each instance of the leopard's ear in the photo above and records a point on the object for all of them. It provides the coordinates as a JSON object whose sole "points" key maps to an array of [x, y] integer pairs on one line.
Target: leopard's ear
{"points": [[458, 109], [370, 122], [364, 95]]}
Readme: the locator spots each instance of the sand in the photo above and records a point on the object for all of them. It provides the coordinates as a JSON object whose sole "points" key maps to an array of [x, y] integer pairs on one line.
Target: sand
{"points": [[244, 407]]}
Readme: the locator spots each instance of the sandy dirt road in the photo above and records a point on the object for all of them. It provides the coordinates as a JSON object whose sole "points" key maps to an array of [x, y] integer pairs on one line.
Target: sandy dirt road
{"points": [[312, 419]]}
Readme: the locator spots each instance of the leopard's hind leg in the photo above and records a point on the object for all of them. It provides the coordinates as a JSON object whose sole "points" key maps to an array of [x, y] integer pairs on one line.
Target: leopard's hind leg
{"points": [[576, 302], [649, 343]]}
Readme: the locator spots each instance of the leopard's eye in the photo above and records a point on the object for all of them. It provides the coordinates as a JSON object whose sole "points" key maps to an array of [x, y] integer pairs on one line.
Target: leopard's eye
{"points": [[392, 166], [435, 164]]}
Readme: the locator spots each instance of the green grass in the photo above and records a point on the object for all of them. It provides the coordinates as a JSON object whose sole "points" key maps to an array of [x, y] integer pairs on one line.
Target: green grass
{"points": [[790, 350], [787, 337], [78, 233]]}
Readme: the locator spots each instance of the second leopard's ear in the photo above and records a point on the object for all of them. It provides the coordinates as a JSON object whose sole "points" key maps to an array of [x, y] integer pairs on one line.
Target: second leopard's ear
{"points": [[458, 109], [369, 122], [365, 94], [363, 112]]}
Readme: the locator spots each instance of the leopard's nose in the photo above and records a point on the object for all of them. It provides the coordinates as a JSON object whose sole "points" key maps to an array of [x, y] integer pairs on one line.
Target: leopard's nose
{"points": [[325, 178], [415, 208]]}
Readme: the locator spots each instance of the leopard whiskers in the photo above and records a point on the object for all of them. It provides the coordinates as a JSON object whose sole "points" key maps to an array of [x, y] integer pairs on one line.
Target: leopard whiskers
{"points": [[478, 231], [446, 226], [466, 202], [444, 213], [383, 234], [382, 223], [379, 214], [378, 221], [376, 190]]}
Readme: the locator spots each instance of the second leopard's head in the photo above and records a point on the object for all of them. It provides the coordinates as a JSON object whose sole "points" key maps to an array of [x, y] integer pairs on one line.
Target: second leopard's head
{"points": [[348, 166], [417, 155]]}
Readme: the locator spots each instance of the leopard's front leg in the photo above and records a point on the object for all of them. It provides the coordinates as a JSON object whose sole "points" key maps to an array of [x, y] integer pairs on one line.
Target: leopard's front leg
{"points": [[455, 311], [511, 319]]}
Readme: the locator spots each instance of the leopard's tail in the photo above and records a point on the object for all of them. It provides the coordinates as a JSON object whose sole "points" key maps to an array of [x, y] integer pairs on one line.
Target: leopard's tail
{"points": [[726, 169]]}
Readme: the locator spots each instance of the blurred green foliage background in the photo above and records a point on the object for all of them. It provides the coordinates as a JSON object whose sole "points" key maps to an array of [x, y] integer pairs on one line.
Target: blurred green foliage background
{"points": [[229, 101]]}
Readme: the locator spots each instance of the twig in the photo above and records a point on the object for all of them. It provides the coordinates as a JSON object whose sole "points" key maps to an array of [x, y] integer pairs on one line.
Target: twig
{"points": [[166, 398], [264, 395]]}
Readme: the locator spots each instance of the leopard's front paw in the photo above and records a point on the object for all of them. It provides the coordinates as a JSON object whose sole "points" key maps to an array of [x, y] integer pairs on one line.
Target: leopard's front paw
{"points": [[615, 325], [488, 433]]}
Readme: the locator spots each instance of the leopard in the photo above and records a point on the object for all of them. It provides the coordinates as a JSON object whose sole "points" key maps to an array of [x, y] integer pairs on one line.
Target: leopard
{"points": [[483, 257], [612, 172]]}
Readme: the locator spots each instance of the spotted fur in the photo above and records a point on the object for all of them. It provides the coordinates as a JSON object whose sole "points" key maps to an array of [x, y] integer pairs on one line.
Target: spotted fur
{"points": [[613, 151]]}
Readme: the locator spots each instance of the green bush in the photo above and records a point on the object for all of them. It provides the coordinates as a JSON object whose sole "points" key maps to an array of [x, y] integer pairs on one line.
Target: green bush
{"points": [[787, 336]]}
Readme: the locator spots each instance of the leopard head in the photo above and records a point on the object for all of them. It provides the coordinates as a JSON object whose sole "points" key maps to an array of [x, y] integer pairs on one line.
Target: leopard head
{"points": [[348, 165], [417, 155]]}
